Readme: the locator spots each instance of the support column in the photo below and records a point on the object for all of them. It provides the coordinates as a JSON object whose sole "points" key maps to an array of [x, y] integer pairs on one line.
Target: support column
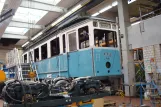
{"points": [[127, 55]]}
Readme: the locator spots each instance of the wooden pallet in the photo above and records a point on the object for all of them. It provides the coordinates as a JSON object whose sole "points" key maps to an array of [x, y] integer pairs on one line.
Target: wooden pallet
{"points": [[109, 104]]}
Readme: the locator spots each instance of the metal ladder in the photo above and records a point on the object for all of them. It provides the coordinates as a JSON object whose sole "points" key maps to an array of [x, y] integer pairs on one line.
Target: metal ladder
{"points": [[24, 68]]}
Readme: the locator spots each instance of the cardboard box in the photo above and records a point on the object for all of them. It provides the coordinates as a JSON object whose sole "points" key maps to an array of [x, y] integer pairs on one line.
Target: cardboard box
{"points": [[98, 102]]}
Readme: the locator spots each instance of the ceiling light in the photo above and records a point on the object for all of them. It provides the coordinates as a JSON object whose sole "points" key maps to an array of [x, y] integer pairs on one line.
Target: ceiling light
{"points": [[96, 14], [25, 44], [36, 36], [66, 15], [131, 1], [76, 8], [110, 6], [114, 4], [105, 9], [135, 23]]}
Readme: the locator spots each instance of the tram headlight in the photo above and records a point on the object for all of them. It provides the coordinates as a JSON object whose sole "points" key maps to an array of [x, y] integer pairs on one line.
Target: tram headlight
{"points": [[108, 64]]}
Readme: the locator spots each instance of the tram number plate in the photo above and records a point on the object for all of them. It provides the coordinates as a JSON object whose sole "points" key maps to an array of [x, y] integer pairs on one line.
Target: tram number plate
{"points": [[49, 75]]}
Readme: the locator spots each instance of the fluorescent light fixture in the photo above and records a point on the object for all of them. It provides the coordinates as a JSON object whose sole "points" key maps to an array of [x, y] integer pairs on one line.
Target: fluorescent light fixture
{"points": [[66, 15], [96, 14], [76, 8], [105, 9], [2, 2], [114, 4], [36, 36], [16, 30], [25, 44], [29, 15], [131, 1], [135, 23]]}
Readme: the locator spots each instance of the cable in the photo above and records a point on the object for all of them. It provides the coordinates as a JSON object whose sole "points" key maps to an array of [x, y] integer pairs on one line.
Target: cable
{"points": [[6, 91]]}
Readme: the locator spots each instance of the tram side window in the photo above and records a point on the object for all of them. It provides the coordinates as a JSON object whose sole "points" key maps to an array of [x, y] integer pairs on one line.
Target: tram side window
{"points": [[105, 38], [44, 51], [36, 54], [72, 41], [83, 37], [64, 44], [55, 49], [25, 58]]}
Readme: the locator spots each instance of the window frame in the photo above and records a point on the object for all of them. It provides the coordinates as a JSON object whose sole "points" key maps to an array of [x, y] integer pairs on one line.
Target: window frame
{"points": [[51, 46], [38, 54], [64, 45], [88, 29], [115, 45], [24, 58], [46, 50], [68, 33]]}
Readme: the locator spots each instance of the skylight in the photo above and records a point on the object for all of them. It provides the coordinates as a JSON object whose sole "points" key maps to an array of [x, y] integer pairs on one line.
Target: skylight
{"points": [[15, 30], [29, 15], [53, 2], [1, 4]]}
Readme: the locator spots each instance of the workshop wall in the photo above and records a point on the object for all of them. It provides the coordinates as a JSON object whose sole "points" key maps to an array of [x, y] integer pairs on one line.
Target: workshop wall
{"points": [[146, 33]]}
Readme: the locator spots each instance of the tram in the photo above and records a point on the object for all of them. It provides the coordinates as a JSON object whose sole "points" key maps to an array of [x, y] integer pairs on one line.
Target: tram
{"points": [[86, 48]]}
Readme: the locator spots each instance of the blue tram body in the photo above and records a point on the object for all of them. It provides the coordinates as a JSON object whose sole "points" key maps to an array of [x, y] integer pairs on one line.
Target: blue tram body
{"points": [[87, 48], [85, 62]]}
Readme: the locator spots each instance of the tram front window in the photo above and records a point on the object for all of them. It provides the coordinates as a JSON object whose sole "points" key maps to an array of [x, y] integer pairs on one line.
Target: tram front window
{"points": [[105, 38], [83, 37]]}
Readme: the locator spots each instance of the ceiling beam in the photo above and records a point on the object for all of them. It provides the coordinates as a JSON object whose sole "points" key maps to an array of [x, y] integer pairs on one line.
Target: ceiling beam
{"points": [[14, 36], [42, 6], [25, 25]]}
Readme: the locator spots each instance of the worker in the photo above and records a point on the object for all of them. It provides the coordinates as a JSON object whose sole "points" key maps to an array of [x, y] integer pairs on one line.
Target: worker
{"points": [[2, 84], [2, 76]]}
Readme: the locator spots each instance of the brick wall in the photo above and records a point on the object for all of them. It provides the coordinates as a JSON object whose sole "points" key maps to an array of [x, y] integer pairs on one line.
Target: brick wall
{"points": [[152, 59]]}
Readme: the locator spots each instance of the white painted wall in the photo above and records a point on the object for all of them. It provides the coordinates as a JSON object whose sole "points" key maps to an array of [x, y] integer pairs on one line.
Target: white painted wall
{"points": [[150, 36], [3, 55]]}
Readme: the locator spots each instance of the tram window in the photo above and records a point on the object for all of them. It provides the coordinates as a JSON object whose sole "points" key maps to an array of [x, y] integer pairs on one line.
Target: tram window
{"points": [[83, 37], [36, 54], [105, 38], [72, 41], [64, 45], [55, 50], [44, 51], [31, 56], [25, 58]]}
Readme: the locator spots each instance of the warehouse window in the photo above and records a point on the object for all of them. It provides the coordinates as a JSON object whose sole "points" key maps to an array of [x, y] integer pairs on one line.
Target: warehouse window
{"points": [[25, 58], [64, 44], [72, 41], [105, 38], [83, 37], [55, 49], [44, 51], [36, 54]]}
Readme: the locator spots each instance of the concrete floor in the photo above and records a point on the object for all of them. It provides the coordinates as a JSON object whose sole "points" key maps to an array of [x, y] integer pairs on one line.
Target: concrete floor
{"points": [[1, 103], [119, 100]]}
